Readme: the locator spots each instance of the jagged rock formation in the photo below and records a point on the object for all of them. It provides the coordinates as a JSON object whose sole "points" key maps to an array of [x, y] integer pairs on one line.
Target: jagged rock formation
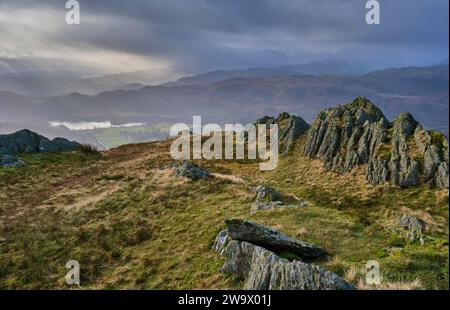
{"points": [[268, 198], [26, 141], [265, 270], [190, 171], [401, 152], [242, 230], [290, 127]]}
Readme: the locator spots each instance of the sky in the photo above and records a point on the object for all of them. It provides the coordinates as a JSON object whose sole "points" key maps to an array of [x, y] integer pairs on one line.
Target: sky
{"points": [[178, 37]]}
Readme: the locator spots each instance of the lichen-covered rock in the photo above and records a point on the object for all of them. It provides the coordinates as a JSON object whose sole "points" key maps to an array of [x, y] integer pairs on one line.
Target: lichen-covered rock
{"points": [[435, 160], [441, 176], [267, 193], [298, 275], [347, 135], [413, 225], [403, 169], [358, 133], [267, 198], [190, 171], [243, 230], [238, 258], [265, 270], [221, 241], [290, 127], [378, 171]]}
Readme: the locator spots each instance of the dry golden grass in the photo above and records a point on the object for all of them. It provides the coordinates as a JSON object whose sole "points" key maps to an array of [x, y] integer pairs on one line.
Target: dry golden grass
{"points": [[136, 226], [400, 285], [351, 274]]}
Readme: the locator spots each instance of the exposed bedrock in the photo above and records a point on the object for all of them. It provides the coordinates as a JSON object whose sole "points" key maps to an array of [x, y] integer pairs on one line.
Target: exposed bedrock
{"points": [[401, 152], [264, 269]]}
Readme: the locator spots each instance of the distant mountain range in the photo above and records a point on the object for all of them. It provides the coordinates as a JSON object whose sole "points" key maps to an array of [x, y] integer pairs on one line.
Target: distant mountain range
{"points": [[327, 67], [47, 84], [220, 96]]}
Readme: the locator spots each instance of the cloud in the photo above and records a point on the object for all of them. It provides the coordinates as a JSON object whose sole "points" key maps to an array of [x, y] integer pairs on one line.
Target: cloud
{"points": [[191, 36]]}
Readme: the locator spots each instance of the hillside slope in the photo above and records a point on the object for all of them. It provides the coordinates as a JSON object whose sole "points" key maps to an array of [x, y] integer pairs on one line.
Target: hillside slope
{"points": [[131, 224]]}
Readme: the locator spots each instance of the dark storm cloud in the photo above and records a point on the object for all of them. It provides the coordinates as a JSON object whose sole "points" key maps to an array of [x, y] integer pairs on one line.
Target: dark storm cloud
{"points": [[205, 34]]}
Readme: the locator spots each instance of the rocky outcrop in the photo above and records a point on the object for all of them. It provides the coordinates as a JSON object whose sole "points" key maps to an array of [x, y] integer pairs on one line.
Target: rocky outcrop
{"points": [[263, 269], [190, 171], [26, 141], [290, 127], [412, 225], [268, 198], [10, 161], [248, 231], [401, 152]]}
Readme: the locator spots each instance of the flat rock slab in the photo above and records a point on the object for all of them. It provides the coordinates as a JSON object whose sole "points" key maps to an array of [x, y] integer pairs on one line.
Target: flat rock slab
{"points": [[272, 240]]}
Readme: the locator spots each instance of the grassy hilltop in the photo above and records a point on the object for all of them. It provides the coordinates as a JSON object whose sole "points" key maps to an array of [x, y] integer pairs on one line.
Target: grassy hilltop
{"points": [[131, 224]]}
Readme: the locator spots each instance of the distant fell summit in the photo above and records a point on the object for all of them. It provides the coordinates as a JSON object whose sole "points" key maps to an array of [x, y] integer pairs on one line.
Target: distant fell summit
{"points": [[26, 141]]}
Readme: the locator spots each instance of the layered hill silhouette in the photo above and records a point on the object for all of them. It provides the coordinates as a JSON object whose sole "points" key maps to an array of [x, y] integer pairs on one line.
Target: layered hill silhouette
{"points": [[421, 91]]}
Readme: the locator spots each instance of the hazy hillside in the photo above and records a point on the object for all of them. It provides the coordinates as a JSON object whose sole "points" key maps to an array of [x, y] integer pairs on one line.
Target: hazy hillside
{"points": [[45, 84], [336, 67], [422, 91]]}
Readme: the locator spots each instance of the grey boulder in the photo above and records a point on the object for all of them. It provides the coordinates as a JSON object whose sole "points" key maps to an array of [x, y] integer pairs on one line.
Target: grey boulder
{"points": [[248, 231], [267, 198], [265, 270], [190, 171], [413, 225]]}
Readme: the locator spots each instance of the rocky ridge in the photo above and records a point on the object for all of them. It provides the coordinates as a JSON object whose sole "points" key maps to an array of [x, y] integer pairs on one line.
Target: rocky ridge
{"points": [[290, 127], [402, 152]]}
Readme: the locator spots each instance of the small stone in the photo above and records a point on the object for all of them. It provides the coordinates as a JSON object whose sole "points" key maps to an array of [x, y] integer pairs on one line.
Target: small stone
{"points": [[190, 171], [267, 198], [413, 225]]}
